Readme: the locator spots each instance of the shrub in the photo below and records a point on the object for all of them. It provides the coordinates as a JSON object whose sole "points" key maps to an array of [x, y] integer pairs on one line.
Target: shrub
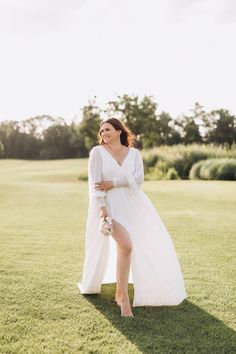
{"points": [[218, 169], [182, 157], [1, 149], [154, 174], [208, 168], [172, 174], [227, 170], [149, 159], [83, 177], [195, 170]]}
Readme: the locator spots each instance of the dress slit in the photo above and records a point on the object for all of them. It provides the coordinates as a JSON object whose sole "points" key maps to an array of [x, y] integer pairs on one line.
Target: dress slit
{"points": [[124, 227], [112, 256]]}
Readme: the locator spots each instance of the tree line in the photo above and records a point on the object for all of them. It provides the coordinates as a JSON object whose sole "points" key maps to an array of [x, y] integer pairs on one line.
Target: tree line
{"points": [[46, 137]]}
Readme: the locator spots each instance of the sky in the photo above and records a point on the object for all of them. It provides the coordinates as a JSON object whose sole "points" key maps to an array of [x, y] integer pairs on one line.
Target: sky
{"points": [[56, 55]]}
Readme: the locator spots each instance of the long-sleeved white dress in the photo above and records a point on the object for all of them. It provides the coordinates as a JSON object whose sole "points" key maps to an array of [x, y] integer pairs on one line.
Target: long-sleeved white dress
{"points": [[155, 270]]}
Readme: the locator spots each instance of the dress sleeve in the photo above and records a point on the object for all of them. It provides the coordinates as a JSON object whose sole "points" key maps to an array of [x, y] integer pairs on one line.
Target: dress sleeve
{"points": [[95, 175], [132, 181]]}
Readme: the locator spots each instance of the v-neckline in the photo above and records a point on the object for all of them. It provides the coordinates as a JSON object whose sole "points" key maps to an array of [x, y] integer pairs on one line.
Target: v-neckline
{"points": [[126, 156]]}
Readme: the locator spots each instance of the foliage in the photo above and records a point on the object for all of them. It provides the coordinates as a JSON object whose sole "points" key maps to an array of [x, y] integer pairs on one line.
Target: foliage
{"points": [[220, 127], [158, 160], [172, 174], [89, 126], [83, 176], [47, 137], [59, 142], [165, 132], [194, 173], [141, 116], [214, 169], [189, 129], [17, 143], [1, 148]]}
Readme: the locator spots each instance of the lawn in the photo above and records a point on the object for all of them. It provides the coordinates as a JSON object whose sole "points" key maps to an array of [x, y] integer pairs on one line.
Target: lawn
{"points": [[43, 210]]}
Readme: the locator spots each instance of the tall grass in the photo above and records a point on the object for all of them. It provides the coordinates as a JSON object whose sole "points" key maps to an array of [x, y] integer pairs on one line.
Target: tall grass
{"points": [[221, 169], [181, 158]]}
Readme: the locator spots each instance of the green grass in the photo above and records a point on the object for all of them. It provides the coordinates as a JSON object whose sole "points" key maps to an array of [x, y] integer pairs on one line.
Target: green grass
{"points": [[43, 213]]}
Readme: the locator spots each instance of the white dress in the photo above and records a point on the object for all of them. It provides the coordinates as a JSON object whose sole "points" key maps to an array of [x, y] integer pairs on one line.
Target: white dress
{"points": [[155, 270]]}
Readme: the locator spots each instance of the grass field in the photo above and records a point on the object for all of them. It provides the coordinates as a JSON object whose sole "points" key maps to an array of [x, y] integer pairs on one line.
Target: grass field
{"points": [[43, 212]]}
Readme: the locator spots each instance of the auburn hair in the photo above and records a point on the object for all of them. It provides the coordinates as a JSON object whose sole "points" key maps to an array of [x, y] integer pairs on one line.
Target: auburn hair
{"points": [[127, 138]]}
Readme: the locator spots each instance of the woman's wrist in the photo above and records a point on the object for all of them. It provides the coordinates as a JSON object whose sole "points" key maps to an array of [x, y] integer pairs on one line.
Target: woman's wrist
{"points": [[103, 212]]}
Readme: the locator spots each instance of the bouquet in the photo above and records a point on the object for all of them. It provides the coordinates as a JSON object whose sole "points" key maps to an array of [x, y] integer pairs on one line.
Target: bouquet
{"points": [[105, 226]]}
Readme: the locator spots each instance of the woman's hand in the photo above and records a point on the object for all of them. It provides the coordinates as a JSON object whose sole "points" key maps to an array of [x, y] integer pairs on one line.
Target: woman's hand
{"points": [[103, 212], [104, 186]]}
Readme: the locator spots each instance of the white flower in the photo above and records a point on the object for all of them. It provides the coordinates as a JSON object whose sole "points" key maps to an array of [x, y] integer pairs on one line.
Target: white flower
{"points": [[105, 226]]}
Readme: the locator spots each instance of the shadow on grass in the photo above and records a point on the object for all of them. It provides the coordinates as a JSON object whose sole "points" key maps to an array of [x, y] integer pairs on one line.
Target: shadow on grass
{"points": [[185, 328]]}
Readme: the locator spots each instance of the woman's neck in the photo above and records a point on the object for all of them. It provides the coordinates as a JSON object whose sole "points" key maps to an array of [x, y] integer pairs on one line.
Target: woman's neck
{"points": [[116, 145]]}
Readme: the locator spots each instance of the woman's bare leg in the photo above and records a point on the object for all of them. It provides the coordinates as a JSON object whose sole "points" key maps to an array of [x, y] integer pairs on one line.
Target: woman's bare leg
{"points": [[118, 294], [124, 248]]}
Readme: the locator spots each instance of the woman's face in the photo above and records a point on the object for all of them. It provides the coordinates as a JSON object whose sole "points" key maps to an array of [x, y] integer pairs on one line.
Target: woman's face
{"points": [[108, 133]]}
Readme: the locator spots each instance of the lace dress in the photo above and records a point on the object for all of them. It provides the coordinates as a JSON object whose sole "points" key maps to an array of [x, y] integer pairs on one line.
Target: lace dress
{"points": [[155, 270]]}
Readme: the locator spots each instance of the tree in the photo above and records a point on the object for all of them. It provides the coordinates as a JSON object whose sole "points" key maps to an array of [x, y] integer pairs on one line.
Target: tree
{"points": [[220, 127], [166, 131], [59, 142], [18, 144], [189, 126], [89, 126], [24, 139], [188, 129], [141, 117], [138, 114], [38, 124], [8, 132]]}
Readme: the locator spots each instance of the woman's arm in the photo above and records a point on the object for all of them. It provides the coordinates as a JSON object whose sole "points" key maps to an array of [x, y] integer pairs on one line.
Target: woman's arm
{"points": [[95, 176], [135, 180]]}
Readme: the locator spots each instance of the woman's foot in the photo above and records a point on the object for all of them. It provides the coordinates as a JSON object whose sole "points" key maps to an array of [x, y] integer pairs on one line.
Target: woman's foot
{"points": [[117, 300], [118, 295], [125, 309]]}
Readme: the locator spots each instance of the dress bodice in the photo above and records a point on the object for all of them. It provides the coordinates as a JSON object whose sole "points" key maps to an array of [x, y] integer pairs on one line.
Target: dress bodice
{"points": [[112, 169]]}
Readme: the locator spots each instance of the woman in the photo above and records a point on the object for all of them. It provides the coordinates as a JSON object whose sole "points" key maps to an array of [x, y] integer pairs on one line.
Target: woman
{"points": [[142, 241]]}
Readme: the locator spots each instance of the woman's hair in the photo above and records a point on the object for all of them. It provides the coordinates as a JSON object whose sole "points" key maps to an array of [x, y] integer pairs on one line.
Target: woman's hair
{"points": [[127, 138]]}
